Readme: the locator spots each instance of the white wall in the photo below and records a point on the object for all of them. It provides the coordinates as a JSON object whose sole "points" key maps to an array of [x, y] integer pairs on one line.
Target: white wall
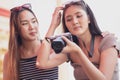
{"points": [[107, 13]]}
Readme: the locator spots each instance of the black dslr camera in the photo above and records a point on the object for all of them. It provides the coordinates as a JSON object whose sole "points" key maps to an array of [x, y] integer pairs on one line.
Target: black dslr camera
{"points": [[57, 43]]}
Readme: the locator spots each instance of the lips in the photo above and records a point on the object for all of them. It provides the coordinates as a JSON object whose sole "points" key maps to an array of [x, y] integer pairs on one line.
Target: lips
{"points": [[76, 28], [32, 33]]}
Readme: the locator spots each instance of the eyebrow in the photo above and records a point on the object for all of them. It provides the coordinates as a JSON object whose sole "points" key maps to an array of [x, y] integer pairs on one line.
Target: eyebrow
{"points": [[70, 15], [27, 20]]}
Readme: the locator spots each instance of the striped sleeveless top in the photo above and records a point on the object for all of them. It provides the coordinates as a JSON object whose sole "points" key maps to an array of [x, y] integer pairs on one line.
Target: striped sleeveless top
{"points": [[29, 71]]}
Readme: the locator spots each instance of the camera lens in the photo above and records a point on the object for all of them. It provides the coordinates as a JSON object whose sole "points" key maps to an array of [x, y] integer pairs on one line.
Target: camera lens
{"points": [[58, 44]]}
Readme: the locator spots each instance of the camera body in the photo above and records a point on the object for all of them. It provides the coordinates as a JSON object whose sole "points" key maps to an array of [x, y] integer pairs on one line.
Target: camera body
{"points": [[57, 43]]}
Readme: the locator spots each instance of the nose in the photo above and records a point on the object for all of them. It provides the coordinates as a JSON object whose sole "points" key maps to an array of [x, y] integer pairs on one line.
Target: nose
{"points": [[75, 20], [31, 26]]}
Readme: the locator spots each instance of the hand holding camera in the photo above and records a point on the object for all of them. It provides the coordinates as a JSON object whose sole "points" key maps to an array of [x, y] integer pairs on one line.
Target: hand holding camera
{"points": [[57, 43]]}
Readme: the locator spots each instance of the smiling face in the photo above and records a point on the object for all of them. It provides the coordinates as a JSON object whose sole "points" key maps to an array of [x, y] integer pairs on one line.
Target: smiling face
{"points": [[76, 20], [28, 26]]}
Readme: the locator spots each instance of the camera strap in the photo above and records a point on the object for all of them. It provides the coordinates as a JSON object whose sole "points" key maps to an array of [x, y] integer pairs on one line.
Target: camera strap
{"points": [[90, 53]]}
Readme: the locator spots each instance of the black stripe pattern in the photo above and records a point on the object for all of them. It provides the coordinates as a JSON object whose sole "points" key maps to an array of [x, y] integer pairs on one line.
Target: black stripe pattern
{"points": [[29, 71]]}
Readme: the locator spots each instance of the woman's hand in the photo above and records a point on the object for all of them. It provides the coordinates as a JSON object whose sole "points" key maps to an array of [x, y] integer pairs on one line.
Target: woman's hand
{"points": [[56, 20], [70, 47], [56, 17]]}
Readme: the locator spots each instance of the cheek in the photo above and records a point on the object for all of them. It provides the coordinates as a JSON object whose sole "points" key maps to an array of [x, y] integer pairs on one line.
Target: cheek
{"points": [[68, 24], [69, 27], [37, 29], [36, 26], [23, 31]]}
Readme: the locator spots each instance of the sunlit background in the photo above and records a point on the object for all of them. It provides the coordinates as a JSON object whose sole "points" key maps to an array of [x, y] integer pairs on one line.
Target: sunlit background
{"points": [[107, 13]]}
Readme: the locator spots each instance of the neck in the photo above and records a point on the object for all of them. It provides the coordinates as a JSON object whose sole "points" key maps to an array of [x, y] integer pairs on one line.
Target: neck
{"points": [[29, 49], [28, 45], [86, 39]]}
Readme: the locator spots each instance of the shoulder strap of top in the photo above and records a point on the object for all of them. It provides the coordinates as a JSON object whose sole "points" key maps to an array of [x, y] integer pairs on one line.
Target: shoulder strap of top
{"points": [[91, 47]]}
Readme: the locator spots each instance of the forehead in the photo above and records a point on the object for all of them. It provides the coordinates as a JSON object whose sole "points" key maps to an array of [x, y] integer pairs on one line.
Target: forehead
{"points": [[26, 15], [73, 10]]}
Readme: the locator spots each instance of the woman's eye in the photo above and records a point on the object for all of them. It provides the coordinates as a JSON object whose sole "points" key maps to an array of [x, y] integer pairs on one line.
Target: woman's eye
{"points": [[34, 21], [78, 16], [24, 23], [69, 19]]}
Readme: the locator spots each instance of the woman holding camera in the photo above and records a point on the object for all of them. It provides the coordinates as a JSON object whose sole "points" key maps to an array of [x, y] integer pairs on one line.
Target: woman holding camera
{"points": [[92, 56]]}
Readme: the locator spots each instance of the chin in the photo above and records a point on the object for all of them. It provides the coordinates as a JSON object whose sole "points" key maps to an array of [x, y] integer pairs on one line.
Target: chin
{"points": [[77, 33], [33, 39]]}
